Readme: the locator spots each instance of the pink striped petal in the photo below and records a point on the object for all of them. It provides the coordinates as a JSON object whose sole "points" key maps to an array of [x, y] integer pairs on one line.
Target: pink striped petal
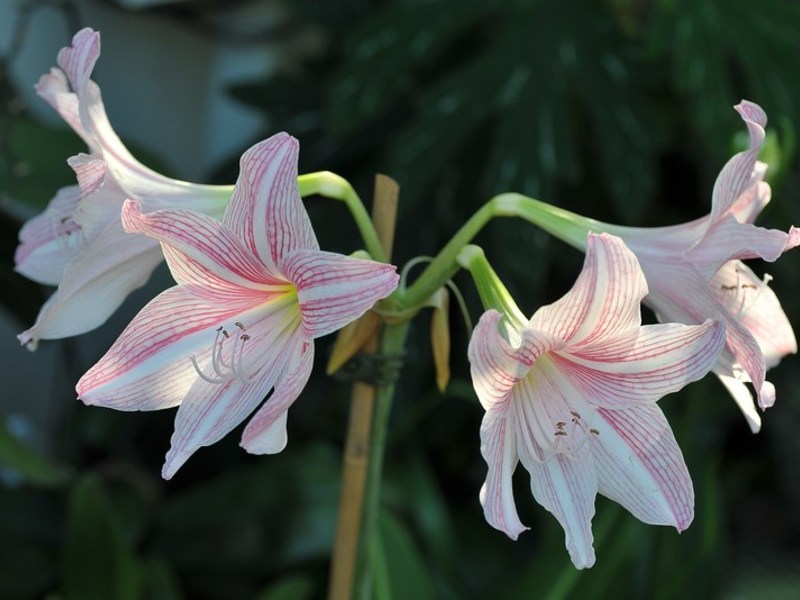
{"points": [[49, 240], [641, 368], [496, 366], [266, 431], [138, 371], [95, 283], [206, 247], [682, 295], [640, 466], [738, 174], [54, 89], [210, 411], [499, 450], [265, 210], [566, 486], [753, 303], [90, 171], [334, 290], [604, 302], [728, 239], [78, 59], [754, 199]]}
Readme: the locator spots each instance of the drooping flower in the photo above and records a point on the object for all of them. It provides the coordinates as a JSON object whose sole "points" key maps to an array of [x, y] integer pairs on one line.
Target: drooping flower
{"points": [[694, 270], [572, 395], [253, 292], [78, 243]]}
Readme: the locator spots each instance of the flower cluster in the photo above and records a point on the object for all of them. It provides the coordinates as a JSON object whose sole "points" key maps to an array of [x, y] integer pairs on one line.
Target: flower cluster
{"points": [[571, 392]]}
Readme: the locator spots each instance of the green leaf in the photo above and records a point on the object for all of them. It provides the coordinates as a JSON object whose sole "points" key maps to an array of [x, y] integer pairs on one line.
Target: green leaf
{"points": [[27, 464], [97, 562], [399, 569], [293, 587]]}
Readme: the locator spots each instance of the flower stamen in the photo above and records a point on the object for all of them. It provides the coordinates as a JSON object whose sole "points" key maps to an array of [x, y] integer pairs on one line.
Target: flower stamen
{"points": [[225, 370]]}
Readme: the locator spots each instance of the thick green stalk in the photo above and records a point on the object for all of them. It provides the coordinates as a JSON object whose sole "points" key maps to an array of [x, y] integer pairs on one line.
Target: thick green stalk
{"points": [[392, 344], [490, 288], [333, 186], [565, 225]]}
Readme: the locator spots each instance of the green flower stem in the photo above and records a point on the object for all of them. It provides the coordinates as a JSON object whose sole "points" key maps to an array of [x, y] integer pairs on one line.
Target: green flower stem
{"points": [[335, 187], [392, 343], [565, 225], [491, 290]]}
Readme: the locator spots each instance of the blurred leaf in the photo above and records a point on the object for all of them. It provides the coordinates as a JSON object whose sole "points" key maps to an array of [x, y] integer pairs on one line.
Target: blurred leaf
{"points": [[97, 560], [293, 587], [28, 465], [39, 153], [160, 581], [385, 49], [399, 569]]}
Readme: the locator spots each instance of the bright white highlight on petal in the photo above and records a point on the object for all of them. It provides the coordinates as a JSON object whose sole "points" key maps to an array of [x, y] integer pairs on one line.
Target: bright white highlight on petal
{"points": [[574, 400]]}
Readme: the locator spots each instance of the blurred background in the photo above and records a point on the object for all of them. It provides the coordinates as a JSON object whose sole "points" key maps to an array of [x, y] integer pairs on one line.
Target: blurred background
{"points": [[617, 109]]}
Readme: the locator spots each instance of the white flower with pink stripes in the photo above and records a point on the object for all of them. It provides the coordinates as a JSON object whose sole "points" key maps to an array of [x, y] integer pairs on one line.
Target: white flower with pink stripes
{"points": [[78, 242], [695, 271], [253, 292], [572, 395]]}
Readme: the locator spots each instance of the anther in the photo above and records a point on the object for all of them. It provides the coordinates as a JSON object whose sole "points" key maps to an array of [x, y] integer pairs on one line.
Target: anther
{"points": [[594, 431]]}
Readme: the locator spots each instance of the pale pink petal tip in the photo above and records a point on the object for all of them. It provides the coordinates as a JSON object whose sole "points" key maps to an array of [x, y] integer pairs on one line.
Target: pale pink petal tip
{"points": [[794, 238], [766, 396], [131, 213], [750, 111], [174, 461]]}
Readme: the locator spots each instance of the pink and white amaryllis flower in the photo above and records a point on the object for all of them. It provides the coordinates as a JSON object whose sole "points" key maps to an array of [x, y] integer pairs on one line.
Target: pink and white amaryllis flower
{"points": [[253, 292], [694, 272], [572, 395], [78, 242]]}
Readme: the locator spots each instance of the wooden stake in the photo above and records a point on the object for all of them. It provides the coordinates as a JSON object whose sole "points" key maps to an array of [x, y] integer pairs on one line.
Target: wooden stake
{"points": [[362, 404]]}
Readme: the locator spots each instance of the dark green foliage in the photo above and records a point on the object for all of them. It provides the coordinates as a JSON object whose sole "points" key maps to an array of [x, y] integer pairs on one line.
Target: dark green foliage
{"points": [[618, 109]]}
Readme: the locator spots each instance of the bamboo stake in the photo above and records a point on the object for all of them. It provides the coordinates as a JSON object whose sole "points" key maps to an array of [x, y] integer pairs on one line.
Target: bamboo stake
{"points": [[362, 406]]}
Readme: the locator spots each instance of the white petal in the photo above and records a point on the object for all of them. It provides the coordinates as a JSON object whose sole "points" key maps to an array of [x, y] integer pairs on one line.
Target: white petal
{"points": [[266, 431], [641, 368], [640, 466], [604, 302], [567, 486], [499, 450], [95, 283], [334, 290], [265, 210], [744, 400]]}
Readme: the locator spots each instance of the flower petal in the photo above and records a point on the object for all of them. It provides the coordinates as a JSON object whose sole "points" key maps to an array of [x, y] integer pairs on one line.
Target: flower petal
{"points": [[208, 413], [604, 302], [149, 366], [641, 368], [566, 486], [54, 89], [496, 366], [499, 450], [728, 239], [738, 174], [744, 400], [202, 250], [755, 305], [49, 240], [266, 431], [683, 296], [265, 210], [95, 283], [334, 290], [640, 466]]}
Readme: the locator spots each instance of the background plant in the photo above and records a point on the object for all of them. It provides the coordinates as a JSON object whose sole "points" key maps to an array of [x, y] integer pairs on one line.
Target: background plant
{"points": [[618, 109]]}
